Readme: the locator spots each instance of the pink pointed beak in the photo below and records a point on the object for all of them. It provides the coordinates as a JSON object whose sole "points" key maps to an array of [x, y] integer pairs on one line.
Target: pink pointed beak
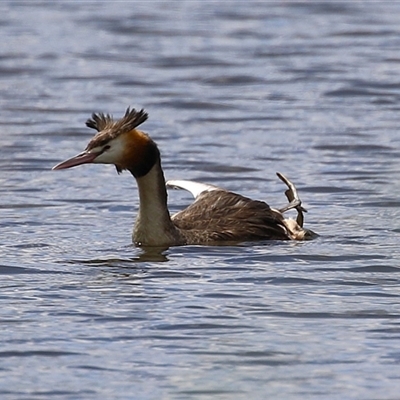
{"points": [[81, 158]]}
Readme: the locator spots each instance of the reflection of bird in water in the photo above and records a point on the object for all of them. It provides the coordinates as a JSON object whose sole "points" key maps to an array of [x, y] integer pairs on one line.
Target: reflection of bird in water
{"points": [[215, 216]]}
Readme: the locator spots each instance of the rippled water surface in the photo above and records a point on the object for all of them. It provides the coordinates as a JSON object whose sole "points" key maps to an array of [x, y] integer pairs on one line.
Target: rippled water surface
{"points": [[235, 92]]}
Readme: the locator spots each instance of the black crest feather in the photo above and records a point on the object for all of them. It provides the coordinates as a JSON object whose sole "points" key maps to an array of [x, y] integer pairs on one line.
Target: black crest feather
{"points": [[129, 121], [109, 129]]}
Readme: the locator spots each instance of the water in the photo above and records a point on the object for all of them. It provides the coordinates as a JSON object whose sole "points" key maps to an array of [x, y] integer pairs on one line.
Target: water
{"points": [[235, 92]]}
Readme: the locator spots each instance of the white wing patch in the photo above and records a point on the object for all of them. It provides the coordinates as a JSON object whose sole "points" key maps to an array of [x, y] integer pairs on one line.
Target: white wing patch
{"points": [[196, 188]]}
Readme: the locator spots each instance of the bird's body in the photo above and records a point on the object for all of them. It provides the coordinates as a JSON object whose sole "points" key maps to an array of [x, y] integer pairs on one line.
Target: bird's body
{"points": [[216, 215]]}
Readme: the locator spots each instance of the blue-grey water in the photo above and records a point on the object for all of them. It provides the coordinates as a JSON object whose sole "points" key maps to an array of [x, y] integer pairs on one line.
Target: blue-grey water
{"points": [[235, 92]]}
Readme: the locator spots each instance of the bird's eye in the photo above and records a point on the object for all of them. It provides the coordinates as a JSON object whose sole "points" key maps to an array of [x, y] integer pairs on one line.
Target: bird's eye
{"points": [[105, 148]]}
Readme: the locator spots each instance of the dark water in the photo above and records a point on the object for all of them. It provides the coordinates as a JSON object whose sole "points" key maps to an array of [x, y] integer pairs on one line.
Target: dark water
{"points": [[235, 92]]}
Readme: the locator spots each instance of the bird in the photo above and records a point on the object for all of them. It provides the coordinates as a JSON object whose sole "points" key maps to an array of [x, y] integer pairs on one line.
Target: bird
{"points": [[216, 216]]}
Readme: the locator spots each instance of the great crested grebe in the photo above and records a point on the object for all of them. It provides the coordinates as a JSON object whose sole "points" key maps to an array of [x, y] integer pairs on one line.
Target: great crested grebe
{"points": [[215, 216]]}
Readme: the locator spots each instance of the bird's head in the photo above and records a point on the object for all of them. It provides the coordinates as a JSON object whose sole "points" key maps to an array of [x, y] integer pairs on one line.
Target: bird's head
{"points": [[119, 143]]}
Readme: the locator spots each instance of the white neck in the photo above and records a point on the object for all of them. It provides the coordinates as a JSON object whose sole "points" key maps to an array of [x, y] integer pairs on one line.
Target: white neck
{"points": [[153, 225]]}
